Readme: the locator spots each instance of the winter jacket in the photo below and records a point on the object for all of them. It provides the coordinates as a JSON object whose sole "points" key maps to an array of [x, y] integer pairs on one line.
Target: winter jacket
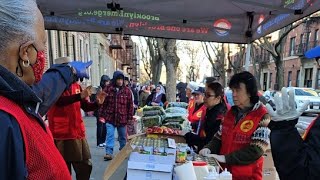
{"points": [[295, 158], [34, 100], [117, 108], [208, 127]]}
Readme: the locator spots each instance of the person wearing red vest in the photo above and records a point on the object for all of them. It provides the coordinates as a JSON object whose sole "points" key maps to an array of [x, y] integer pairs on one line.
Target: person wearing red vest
{"points": [[196, 108], [67, 126], [295, 157], [213, 111], [244, 135], [27, 149]]}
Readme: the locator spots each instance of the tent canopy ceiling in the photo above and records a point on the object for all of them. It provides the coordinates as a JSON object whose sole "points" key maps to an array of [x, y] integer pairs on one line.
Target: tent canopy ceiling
{"points": [[236, 21]]}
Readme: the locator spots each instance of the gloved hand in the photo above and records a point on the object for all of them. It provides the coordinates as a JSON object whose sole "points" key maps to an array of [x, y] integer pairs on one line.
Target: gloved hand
{"points": [[286, 107], [81, 68], [204, 151], [220, 158]]}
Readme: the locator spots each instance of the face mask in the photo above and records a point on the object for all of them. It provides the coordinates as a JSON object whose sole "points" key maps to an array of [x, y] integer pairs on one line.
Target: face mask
{"points": [[38, 67]]}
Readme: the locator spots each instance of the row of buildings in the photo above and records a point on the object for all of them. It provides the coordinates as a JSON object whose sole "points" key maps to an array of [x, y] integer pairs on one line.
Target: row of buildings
{"points": [[298, 70], [109, 52]]}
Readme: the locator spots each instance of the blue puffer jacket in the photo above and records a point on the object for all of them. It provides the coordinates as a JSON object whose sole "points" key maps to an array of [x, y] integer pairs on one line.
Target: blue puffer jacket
{"points": [[35, 99]]}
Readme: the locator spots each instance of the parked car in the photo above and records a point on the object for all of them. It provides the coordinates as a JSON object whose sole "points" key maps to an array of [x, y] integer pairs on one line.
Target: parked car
{"points": [[303, 94]]}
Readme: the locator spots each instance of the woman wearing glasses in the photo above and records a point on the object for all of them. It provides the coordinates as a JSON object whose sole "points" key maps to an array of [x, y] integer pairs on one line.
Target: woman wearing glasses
{"points": [[244, 136], [210, 119]]}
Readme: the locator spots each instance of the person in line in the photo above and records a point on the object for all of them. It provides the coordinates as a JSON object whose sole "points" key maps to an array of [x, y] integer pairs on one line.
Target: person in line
{"points": [[197, 109], [211, 118], [244, 135], [26, 144], [101, 125], [117, 112], [181, 96], [159, 97], [67, 126], [144, 95]]}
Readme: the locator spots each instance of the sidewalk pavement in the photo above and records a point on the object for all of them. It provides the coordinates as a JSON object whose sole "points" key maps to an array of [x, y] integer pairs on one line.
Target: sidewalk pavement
{"points": [[98, 164]]}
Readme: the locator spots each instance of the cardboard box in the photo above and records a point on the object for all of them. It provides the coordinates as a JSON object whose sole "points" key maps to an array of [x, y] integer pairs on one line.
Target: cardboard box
{"points": [[268, 160], [269, 173], [170, 159], [150, 171]]}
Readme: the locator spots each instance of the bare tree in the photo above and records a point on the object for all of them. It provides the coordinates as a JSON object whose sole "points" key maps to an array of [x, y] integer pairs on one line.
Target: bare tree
{"points": [[151, 59], [193, 71], [238, 61], [155, 59], [276, 49], [168, 53], [194, 67], [217, 60], [145, 58]]}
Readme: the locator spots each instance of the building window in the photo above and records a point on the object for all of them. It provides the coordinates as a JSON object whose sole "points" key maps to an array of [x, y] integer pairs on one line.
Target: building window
{"points": [[80, 48], [292, 45], [67, 43], [316, 37], [298, 78], [289, 78], [265, 80], [59, 44], [270, 80], [318, 79], [308, 40], [74, 47], [308, 77], [50, 47]]}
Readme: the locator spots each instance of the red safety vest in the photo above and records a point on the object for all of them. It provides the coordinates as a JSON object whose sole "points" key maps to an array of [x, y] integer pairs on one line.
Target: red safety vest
{"points": [[66, 122], [235, 137], [308, 129], [195, 116], [43, 160]]}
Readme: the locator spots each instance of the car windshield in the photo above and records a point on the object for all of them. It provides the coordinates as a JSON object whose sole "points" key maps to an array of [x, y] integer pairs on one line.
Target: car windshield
{"points": [[307, 92]]}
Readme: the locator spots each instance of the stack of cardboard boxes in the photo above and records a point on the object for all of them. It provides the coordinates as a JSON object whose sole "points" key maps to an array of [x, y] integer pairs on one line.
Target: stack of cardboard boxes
{"points": [[151, 161]]}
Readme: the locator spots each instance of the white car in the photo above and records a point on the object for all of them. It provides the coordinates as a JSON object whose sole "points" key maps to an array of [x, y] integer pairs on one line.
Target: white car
{"points": [[303, 94]]}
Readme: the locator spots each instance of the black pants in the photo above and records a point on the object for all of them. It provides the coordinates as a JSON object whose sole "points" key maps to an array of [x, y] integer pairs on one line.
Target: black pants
{"points": [[101, 132]]}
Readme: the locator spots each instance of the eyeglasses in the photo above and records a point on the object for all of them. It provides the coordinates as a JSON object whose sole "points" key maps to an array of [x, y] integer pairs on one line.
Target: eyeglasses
{"points": [[209, 95]]}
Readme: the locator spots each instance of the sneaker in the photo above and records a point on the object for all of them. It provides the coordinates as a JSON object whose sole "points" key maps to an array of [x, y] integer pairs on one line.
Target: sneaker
{"points": [[104, 144], [107, 157], [101, 145]]}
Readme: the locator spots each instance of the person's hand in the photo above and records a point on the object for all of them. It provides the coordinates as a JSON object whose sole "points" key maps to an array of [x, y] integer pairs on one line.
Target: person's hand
{"points": [[86, 92], [204, 151], [81, 68], [154, 104], [102, 120], [220, 158], [100, 97], [286, 107]]}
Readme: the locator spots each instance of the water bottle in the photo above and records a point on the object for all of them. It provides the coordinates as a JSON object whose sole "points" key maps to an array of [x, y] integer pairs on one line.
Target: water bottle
{"points": [[213, 175], [225, 175]]}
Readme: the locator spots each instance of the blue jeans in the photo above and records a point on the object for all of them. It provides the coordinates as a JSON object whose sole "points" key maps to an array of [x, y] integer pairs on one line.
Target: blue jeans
{"points": [[122, 137]]}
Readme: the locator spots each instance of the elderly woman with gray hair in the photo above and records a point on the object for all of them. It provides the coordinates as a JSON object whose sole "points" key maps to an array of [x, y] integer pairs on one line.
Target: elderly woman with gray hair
{"points": [[26, 144]]}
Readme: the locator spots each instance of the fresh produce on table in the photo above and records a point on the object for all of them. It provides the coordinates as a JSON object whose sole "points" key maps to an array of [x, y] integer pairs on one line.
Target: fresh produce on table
{"points": [[150, 121], [178, 104], [174, 117], [179, 110], [173, 125], [153, 110], [162, 130]]}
